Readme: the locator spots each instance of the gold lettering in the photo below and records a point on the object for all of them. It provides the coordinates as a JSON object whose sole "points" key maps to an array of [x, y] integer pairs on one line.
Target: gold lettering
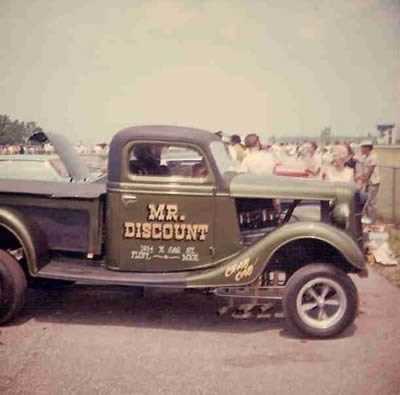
{"points": [[242, 270], [168, 232], [203, 230], [191, 232], [156, 214], [230, 270], [172, 212], [244, 264], [179, 231], [239, 276], [129, 232], [138, 230], [146, 230], [156, 231]]}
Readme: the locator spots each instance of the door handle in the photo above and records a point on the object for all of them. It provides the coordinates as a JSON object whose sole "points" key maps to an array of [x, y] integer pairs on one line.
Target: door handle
{"points": [[128, 199]]}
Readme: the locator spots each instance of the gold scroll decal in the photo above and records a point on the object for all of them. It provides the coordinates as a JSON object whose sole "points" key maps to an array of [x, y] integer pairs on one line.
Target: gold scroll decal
{"points": [[165, 223], [242, 270]]}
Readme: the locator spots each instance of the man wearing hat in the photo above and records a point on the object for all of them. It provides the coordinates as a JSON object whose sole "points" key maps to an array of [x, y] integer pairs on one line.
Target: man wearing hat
{"points": [[369, 179]]}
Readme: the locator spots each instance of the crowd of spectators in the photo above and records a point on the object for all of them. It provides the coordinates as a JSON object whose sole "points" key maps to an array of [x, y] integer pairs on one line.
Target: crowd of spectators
{"points": [[16, 149], [39, 149], [339, 162]]}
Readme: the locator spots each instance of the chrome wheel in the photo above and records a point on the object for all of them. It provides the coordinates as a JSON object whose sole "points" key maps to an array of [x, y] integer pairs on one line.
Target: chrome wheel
{"points": [[321, 303]]}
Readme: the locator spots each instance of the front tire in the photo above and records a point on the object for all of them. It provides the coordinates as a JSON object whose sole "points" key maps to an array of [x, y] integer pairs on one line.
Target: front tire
{"points": [[12, 287], [320, 301]]}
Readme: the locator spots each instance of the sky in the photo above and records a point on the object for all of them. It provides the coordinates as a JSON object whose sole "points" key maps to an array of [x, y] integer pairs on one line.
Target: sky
{"points": [[277, 68]]}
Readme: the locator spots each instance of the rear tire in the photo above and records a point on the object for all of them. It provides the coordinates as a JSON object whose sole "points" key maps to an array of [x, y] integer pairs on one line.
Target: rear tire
{"points": [[12, 287], [320, 301]]}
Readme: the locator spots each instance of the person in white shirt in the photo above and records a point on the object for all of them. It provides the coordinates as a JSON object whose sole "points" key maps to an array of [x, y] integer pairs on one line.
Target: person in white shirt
{"points": [[313, 161], [337, 171], [257, 161], [369, 179], [236, 149], [326, 156]]}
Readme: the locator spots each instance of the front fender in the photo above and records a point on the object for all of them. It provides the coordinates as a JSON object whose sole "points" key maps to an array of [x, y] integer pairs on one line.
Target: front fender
{"points": [[29, 235], [248, 265], [329, 234]]}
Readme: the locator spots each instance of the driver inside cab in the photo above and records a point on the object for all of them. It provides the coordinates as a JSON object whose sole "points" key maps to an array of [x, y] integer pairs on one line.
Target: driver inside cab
{"points": [[199, 170], [146, 160]]}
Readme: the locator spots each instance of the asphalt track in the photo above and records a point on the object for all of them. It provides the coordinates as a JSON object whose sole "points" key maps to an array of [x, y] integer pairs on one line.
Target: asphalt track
{"points": [[104, 341]]}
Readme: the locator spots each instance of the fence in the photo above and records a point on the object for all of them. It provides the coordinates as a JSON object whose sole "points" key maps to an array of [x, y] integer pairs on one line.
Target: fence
{"points": [[389, 194]]}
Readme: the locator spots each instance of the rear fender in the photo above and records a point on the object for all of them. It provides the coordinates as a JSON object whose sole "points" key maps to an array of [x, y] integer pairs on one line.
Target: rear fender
{"points": [[247, 266], [29, 235]]}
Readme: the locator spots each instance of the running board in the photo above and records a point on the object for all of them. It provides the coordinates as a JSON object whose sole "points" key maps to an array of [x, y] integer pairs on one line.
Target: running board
{"points": [[96, 273], [252, 294]]}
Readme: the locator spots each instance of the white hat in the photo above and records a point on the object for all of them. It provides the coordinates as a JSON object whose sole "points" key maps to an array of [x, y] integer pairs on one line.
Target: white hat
{"points": [[366, 143]]}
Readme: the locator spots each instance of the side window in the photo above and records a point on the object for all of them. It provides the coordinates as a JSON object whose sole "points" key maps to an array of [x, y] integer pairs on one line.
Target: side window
{"points": [[167, 160]]}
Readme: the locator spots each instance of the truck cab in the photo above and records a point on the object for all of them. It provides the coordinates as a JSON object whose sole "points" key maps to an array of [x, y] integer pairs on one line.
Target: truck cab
{"points": [[167, 202]]}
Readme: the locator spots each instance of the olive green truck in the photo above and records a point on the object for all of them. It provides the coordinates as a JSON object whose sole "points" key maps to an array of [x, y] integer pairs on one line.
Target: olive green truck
{"points": [[173, 212]]}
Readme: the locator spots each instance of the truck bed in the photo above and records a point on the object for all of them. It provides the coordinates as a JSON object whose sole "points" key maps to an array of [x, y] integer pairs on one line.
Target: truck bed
{"points": [[71, 215]]}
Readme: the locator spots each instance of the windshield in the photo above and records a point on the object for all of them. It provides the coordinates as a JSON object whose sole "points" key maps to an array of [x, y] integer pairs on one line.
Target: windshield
{"points": [[224, 161], [44, 170]]}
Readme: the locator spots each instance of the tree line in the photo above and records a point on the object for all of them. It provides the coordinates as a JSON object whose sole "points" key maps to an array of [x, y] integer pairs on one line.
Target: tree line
{"points": [[15, 131]]}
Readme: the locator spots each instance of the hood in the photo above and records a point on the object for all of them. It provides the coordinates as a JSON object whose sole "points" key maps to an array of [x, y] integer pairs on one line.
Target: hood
{"points": [[75, 166], [252, 186]]}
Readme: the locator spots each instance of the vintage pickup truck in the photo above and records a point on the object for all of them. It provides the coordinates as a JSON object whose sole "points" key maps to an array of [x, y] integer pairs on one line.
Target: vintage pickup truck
{"points": [[173, 212]]}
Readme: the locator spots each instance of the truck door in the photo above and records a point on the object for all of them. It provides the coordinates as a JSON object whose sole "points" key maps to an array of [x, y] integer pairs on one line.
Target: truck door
{"points": [[162, 219]]}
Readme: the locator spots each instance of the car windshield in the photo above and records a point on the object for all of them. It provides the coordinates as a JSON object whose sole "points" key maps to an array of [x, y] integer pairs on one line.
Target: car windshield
{"points": [[59, 166], [43, 170], [224, 161]]}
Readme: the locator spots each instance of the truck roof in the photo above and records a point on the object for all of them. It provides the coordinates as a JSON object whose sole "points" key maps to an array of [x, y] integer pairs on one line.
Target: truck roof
{"points": [[163, 132]]}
